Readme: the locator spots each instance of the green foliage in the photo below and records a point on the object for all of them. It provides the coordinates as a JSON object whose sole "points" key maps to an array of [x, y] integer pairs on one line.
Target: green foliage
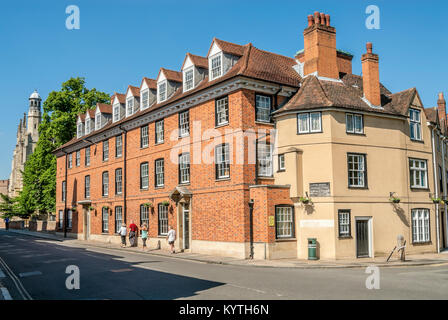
{"points": [[58, 126], [8, 206]]}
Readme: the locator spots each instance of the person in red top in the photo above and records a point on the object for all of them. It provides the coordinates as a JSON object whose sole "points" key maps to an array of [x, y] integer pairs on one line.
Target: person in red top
{"points": [[133, 234]]}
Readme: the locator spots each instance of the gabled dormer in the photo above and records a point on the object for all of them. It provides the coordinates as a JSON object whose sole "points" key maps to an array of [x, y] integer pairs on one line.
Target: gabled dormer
{"points": [[168, 81], [103, 114], [132, 100], [222, 56], [194, 70], [80, 125], [118, 102], [148, 93], [89, 121]]}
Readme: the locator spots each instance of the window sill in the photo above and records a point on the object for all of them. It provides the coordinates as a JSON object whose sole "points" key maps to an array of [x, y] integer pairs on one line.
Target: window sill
{"points": [[105, 196], [118, 157], [426, 243], [184, 136], [418, 141], [358, 188], [302, 133], [223, 179], [345, 237], [159, 187], [356, 134], [221, 125], [144, 189], [285, 239], [282, 170], [159, 143], [145, 147], [419, 189], [266, 178], [263, 122], [184, 184]]}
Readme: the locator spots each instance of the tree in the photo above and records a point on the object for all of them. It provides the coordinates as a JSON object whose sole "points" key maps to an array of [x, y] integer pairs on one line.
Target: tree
{"points": [[58, 126], [8, 206]]}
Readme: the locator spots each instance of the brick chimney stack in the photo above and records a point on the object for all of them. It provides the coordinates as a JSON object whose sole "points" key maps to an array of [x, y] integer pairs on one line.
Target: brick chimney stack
{"points": [[441, 107], [320, 47], [371, 76]]}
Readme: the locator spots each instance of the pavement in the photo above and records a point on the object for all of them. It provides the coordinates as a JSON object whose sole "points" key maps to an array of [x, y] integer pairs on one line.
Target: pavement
{"points": [[411, 260], [39, 269]]}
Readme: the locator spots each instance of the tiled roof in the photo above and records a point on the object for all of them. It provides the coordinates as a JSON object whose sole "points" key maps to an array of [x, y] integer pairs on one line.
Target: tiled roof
{"points": [[348, 94], [431, 114], [121, 97], [172, 75], [198, 61], [82, 116], [91, 113], [104, 108], [151, 83], [135, 91], [228, 47]]}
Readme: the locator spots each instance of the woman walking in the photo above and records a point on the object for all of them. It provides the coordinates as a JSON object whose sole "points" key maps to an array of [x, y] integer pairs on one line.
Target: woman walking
{"points": [[122, 233], [171, 237], [144, 229]]}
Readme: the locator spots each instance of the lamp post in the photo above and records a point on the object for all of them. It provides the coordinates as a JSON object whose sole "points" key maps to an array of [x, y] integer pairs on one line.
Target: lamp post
{"points": [[251, 228]]}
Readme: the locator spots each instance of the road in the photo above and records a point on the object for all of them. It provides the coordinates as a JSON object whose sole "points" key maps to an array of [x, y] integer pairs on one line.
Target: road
{"points": [[40, 266]]}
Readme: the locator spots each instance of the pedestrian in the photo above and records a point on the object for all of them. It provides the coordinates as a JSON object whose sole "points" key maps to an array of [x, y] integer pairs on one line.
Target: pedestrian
{"points": [[122, 233], [7, 223], [171, 237], [133, 234], [144, 229]]}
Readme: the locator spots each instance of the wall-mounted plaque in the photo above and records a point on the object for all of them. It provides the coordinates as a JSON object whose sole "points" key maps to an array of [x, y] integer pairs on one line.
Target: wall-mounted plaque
{"points": [[320, 189]]}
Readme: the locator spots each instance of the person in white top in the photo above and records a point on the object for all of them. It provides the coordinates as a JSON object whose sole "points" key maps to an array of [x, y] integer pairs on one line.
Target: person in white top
{"points": [[122, 233], [171, 237]]}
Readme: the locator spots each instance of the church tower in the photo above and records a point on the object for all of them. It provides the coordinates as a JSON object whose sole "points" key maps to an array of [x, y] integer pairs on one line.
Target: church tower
{"points": [[34, 119]]}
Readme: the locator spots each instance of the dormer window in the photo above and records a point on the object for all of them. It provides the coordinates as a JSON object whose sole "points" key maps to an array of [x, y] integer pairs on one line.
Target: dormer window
{"points": [[98, 121], [130, 106], [116, 112], [162, 91], [87, 125], [189, 79], [145, 99], [216, 66], [79, 129], [415, 124]]}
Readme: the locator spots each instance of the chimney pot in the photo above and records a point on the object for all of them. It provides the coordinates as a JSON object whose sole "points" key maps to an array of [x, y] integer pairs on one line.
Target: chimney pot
{"points": [[310, 20], [327, 19], [369, 47], [441, 97], [316, 17], [322, 18]]}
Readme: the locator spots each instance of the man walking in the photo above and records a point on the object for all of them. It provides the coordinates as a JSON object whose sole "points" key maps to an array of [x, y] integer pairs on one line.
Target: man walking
{"points": [[7, 223], [171, 237]]}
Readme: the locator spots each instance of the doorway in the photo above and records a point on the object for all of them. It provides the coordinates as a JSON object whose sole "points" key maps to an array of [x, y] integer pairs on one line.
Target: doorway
{"points": [[186, 225], [363, 237]]}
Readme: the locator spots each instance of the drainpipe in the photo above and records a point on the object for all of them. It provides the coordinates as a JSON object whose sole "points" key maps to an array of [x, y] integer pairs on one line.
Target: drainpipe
{"points": [[124, 172], [444, 187], [65, 194], [436, 187], [251, 228]]}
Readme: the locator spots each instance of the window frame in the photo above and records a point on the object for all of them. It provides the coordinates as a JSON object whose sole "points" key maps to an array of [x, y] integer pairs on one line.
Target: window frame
{"points": [[226, 111], [187, 168], [144, 137], [223, 163], [118, 146], [354, 115], [212, 69], [118, 181], [144, 210], [104, 222], [130, 106], [349, 225], [182, 126], [365, 186], [165, 221], [309, 122], [186, 81], [425, 240], [105, 186], [60, 219], [142, 187], [116, 112], [411, 175], [87, 156], [70, 160], [159, 93], [157, 132], [281, 168], [118, 225], [418, 128], [156, 174], [87, 187], [146, 91], [257, 108], [271, 171], [69, 219], [78, 158], [292, 223], [106, 150], [64, 190], [97, 123]]}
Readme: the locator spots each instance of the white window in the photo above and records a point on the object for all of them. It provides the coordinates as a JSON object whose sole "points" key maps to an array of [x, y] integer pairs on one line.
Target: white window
{"points": [[118, 181], [105, 189], [263, 108], [105, 220], [78, 158], [87, 187], [88, 126], [184, 168], [356, 170], [284, 222], [144, 176], [130, 106], [163, 219], [144, 137], [61, 219], [98, 121], [70, 160], [216, 66], [79, 129], [189, 79], [144, 215], [415, 125], [344, 223], [418, 173], [159, 131], [118, 146], [264, 160], [160, 172], [354, 123], [87, 157], [184, 123], [222, 161], [69, 219], [116, 112], [64, 190], [222, 111], [162, 91], [118, 218], [420, 225], [281, 162], [106, 150], [309, 122], [145, 99]]}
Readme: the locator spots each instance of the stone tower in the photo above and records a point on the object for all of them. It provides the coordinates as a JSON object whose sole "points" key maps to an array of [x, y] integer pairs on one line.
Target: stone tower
{"points": [[27, 136]]}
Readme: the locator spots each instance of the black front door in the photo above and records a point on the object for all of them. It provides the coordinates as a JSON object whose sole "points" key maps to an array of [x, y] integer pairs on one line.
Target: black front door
{"points": [[362, 238], [186, 230]]}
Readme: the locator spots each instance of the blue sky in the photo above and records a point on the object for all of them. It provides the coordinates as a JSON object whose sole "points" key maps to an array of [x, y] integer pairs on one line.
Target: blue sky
{"points": [[120, 41]]}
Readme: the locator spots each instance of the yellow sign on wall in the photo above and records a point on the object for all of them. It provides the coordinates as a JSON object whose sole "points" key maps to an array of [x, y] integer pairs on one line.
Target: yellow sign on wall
{"points": [[271, 221]]}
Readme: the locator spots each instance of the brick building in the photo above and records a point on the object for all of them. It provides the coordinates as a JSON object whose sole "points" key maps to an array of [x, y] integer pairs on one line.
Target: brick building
{"points": [[196, 149]]}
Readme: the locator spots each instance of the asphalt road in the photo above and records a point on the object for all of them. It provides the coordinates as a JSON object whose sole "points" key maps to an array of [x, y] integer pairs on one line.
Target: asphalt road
{"points": [[40, 266]]}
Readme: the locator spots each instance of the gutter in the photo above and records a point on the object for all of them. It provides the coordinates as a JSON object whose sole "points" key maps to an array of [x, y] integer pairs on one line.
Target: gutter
{"points": [[436, 189]]}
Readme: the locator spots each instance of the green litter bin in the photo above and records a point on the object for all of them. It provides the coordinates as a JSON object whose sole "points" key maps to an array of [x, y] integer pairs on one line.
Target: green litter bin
{"points": [[312, 249]]}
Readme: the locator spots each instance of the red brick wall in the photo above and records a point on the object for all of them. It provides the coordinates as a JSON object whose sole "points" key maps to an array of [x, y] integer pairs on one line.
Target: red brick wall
{"points": [[219, 208]]}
